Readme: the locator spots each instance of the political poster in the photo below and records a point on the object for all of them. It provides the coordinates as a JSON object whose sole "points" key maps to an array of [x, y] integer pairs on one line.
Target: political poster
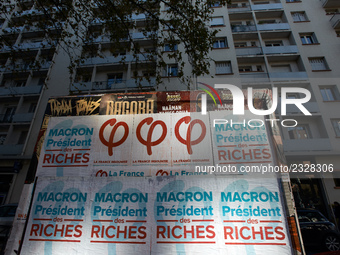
{"points": [[156, 215]]}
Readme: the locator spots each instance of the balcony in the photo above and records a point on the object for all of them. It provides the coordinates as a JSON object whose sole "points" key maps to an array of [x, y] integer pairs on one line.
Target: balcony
{"points": [[115, 60], [273, 26], [20, 90], [12, 30], [113, 85], [300, 145], [34, 45], [335, 21], [23, 117], [261, 7], [330, 3], [11, 149], [248, 51], [239, 9], [289, 49], [312, 107], [254, 77], [288, 76], [140, 16], [243, 28]]}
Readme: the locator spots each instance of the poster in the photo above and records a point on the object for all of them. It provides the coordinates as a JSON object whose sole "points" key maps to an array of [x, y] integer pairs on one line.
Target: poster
{"points": [[142, 145], [156, 215]]}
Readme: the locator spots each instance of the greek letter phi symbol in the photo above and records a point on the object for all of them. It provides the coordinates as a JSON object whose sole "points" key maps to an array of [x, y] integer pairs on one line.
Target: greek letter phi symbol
{"points": [[148, 142], [188, 141], [110, 144]]}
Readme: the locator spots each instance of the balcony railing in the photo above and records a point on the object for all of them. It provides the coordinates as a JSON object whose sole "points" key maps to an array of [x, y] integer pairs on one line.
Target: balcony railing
{"points": [[259, 7], [248, 51], [117, 59], [296, 145], [11, 149], [312, 107], [34, 45], [112, 85], [23, 117], [273, 26], [281, 49], [20, 90], [288, 76], [254, 77], [239, 9], [12, 30], [243, 28]]}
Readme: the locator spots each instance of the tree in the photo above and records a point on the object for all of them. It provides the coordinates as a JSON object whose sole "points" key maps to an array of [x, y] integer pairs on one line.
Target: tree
{"points": [[79, 24]]}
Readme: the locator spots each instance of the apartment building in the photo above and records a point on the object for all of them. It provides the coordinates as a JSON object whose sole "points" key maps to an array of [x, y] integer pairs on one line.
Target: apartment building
{"points": [[260, 44]]}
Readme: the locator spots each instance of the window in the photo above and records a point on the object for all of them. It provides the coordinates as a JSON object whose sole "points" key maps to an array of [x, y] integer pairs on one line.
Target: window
{"points": [[41, 81], [299, 132], [244, 69], [22, 137], [9, 113], [329, 93], [171, 70], [331, 11], [32, 107], [149, 74], [273, 43], [2, 139], [220, 43], [292, 1], [19, 83], [170, 47], [318, 64], [336, 126], [336, 178], [117, 54], [113, 79], [240, 44], [299, 16], [217, 21], [215, 4], [309, 38], [223, 67]]}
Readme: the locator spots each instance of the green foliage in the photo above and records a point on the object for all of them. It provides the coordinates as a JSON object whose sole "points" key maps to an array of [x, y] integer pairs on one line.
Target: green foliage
{"points": [[118, 26]]}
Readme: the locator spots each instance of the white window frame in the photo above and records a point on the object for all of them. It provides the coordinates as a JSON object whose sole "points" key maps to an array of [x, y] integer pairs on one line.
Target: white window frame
{"points": [[170, 47], [318, 64], [169, 70], [220, 43], [308, 39], [336, 126], [217, 21], [329, 93], [223, 67], [299, 16], [298, 135]]}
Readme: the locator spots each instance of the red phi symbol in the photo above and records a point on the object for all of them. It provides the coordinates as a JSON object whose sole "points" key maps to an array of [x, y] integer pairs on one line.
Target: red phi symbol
{"points": [[110, 144], [188, 141], [148, 142]]}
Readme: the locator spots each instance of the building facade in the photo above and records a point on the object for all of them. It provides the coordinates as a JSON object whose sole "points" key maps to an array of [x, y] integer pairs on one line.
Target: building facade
{"points": [[260, 44]]}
